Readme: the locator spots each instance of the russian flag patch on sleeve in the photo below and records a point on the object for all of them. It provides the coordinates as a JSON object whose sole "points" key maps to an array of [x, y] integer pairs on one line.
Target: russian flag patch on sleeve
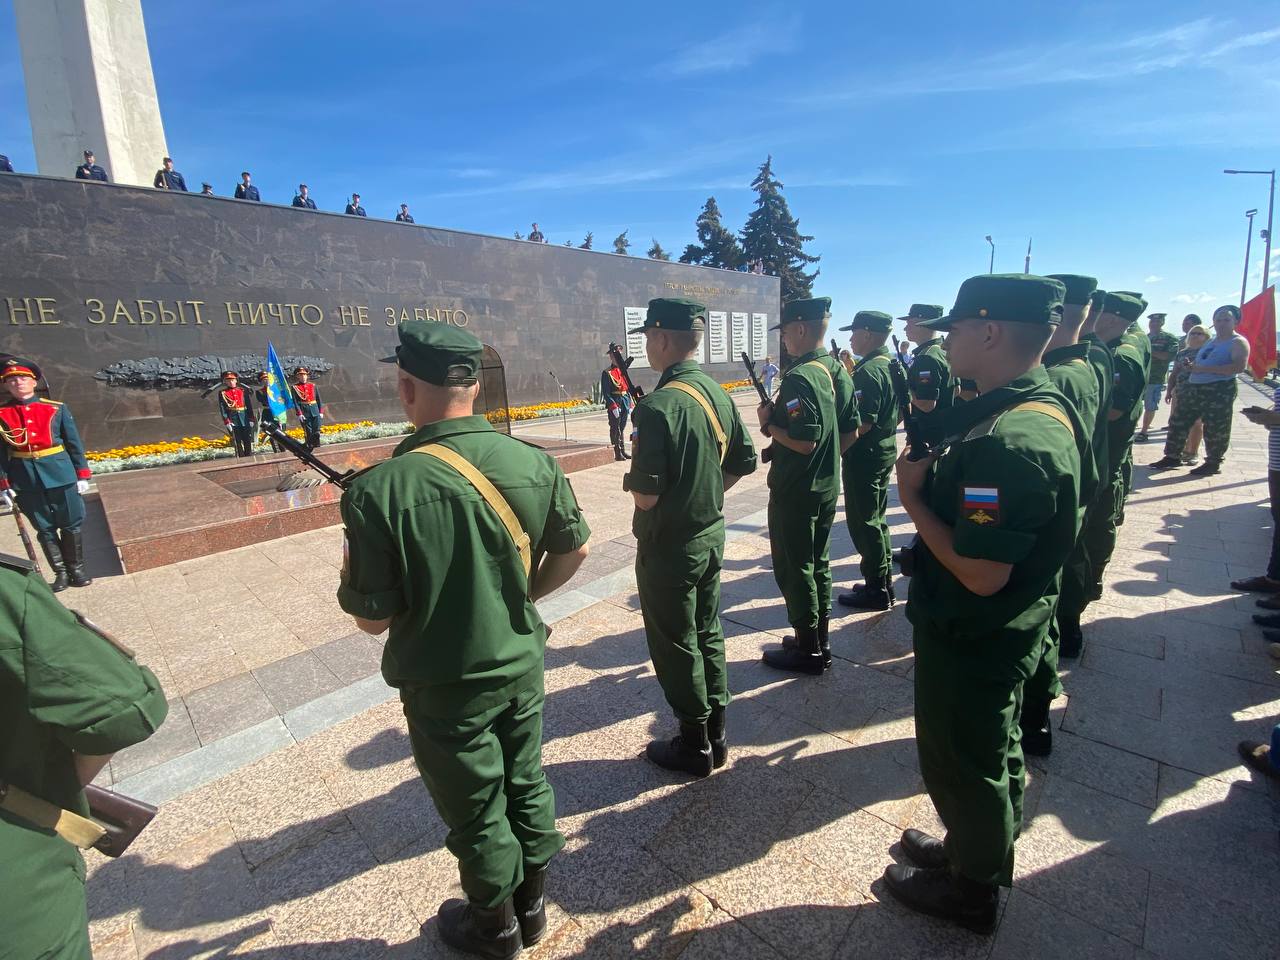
{"points": [[793, 407], [981, 505]]}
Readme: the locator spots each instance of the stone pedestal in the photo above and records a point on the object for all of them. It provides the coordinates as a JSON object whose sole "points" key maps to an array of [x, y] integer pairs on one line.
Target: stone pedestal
{"points": [[90, 87]]}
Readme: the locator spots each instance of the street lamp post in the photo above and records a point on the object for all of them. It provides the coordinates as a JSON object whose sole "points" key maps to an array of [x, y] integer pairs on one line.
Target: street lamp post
{"points": [[991, 268], [1271, 206], [1248, 245]]}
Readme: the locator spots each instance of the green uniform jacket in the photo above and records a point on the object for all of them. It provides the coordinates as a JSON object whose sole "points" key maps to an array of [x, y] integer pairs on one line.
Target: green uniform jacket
{"points": [[423, 547], [675, 455], [1130, 357], [806, 409], [63, 690], [929, 378], [1100, 362], [1164, 346], [877, 406], [1070, 371], [1010, 490]]}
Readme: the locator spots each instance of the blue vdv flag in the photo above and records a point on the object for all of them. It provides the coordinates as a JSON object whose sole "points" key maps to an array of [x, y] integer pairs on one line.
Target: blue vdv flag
{"points": [[279, 396]]}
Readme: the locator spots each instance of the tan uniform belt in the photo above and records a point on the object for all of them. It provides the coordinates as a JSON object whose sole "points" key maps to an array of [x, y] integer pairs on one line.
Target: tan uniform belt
{"points": [[721, 440], [72, 827], [1049, 410], [496, 501], [35, 454], [823, 367]]}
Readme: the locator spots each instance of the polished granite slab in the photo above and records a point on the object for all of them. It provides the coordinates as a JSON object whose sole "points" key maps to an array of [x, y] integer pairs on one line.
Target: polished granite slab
{"points": [[167, 514]]}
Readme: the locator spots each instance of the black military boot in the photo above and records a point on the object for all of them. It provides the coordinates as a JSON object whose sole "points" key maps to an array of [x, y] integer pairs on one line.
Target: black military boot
{"points": [[1070, 637], [688, 752], [1037, 731], [876, 595], [824, 641], [933, 890], [1209, 468], [73, 554], [805, 656], [485, 931], [53, 554], [923, 849], [851, 598], [716, 734], [530, 907]]}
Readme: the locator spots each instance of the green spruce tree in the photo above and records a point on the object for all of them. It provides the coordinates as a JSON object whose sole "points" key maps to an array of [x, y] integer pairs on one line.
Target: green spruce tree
{"points": [[568, 243], [519, 235], [587, 241], [716, 246], [656, 252], [621, 243], [773, 236]]}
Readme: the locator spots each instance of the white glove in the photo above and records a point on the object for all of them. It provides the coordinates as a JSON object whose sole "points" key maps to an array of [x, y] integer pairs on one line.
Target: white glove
{"points": [[82, 487], [6, 498]]}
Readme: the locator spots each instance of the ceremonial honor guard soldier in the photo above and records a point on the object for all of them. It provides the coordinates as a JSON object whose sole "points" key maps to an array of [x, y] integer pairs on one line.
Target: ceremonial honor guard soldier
{"points": [[303, 198], [168, 178], [89, 170], [353, 208], [929, 373], [42, 462], [867, 464], [310, 408], [266, 417], [404, 216], [618, 404], [71, 699], [246, 190], [448, 544], [236, 406], [995, 524], [690, 446], [811, 421]]}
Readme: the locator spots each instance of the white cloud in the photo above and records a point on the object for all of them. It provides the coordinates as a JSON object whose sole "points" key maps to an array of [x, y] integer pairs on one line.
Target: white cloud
{"points": [[737, 48], [1153, 279], [1193, 298]]}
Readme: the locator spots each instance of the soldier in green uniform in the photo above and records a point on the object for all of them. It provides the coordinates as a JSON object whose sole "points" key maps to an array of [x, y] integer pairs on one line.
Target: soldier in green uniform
{"points": [[929, 376], [690, 446], [995, 524], [1075, 368], [1163, 347], [866, 465], [448, 544], [1116, 319], [70, 700], [812, 421]]}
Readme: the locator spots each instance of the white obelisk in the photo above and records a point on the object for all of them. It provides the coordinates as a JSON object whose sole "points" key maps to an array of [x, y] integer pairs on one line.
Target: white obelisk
{"points": [[90, 87]]}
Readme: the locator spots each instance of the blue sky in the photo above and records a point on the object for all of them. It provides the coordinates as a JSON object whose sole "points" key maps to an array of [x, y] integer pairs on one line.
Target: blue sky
{"points": [[903, 133]]}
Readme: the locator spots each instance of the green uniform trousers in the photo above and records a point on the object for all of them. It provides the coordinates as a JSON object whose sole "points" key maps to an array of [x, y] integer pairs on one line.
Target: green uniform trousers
{"points": [[1044, 685], [46, 874], [800, 544], [680, 602], [1211, 402], [970, 749], [866, 500], [1099, 532], [52, 509], [484, 774]]}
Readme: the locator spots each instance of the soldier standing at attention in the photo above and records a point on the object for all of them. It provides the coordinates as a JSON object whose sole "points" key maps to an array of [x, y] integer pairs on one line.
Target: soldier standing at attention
{"points": [[168, 178], [72, 699], [266, 417], [404, 216], [310, 407], [1164, 346], [353, 208], [929, 373], [42, 462], [690, 447], [236, 407], [866, 465], [89, 170], [618, 404], [439, 541], [303, 198], [1081, 370], [995, 526], [811, 421], [246, 190]]}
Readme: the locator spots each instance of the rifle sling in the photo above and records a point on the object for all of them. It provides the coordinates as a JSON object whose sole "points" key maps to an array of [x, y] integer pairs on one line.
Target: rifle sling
{"points": [[75, 829], [496, 501], [721, 440]]}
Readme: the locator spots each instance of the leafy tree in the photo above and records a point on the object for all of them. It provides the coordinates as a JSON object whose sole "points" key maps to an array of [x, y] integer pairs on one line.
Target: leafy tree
{"points": [[657, 253], [587, 241], [621, 243], [519, 235], [716, 246], [773, 236]]}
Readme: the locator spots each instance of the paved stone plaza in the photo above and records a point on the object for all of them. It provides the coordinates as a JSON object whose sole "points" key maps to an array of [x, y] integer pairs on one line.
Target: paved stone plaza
{"points": [[293, 824]]}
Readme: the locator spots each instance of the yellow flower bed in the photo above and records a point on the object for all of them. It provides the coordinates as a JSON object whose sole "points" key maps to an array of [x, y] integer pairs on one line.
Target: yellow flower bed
{"points": [[200, 443], [736, 384], [532, 411]]}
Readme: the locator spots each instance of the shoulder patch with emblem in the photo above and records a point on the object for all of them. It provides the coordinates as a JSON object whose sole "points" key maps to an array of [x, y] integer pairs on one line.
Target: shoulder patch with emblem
{"points": [[793, 407], [981, 505], [924, 376]]}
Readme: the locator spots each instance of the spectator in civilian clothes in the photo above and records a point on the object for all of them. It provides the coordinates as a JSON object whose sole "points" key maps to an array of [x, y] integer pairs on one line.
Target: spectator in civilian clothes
{"points": [[1195, 337]]}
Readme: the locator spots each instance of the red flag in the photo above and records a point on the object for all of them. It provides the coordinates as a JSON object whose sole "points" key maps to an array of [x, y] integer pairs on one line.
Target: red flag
{"points": [[1258, 326]]}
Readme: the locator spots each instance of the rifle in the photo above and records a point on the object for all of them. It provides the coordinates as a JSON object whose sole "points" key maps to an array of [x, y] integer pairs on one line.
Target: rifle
{"points": [[767, 453], [835, 349], [622, 363], [317, 465], [917, 448], [26, 539]]}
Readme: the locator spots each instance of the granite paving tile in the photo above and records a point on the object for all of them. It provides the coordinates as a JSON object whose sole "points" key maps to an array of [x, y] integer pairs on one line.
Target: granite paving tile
{"points": [[176, 736], [1034, 928], [1183, 923], [228, 706], [296, 680], [351, 657]]}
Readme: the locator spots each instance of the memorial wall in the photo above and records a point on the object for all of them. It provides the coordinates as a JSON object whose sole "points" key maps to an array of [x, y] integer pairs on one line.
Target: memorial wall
{"points": [[133, 300]]}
